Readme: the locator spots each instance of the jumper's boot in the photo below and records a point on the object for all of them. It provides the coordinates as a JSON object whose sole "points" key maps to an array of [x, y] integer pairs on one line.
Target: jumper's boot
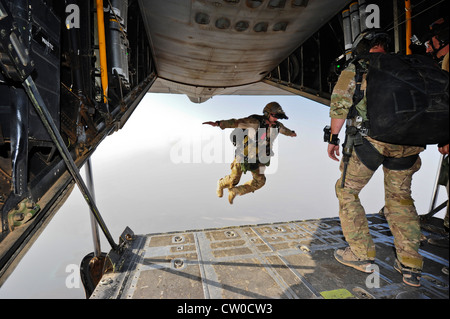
{"points": [[248, 187], [220, 187], [232, 192]]}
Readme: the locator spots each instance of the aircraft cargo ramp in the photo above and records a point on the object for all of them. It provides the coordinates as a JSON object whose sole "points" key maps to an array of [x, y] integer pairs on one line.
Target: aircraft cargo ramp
{"points": [[280, 260]]}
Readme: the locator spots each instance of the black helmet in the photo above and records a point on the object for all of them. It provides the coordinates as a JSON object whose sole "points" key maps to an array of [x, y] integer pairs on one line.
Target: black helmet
{"points": [[438, 29], [368, 39]]}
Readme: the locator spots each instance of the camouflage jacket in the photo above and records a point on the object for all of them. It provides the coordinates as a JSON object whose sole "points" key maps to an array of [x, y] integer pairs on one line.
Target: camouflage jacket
{"points": [[342, 96], [257, 147], [251, 122], [341, 102]]}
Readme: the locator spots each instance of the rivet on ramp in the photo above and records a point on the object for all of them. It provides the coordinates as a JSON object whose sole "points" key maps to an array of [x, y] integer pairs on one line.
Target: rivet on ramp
{"points": [[230, 233], [106, 281], [178, 263], [178, 239], [304, 248]]}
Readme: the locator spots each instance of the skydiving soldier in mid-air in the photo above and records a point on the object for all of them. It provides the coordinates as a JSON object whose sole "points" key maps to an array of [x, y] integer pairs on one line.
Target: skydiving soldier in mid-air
{"points": [[253, 137]]}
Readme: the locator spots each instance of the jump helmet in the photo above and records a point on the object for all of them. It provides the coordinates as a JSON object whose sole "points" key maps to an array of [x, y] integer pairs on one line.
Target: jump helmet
{"points": [[275, 109], [368, 39]]}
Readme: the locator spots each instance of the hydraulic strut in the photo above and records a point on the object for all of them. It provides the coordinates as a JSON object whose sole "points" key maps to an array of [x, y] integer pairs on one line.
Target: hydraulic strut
{"points": [[41, 110]]}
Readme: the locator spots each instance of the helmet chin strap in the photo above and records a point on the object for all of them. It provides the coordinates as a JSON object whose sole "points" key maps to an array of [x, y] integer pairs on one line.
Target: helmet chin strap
{"points": [[435, 51]]}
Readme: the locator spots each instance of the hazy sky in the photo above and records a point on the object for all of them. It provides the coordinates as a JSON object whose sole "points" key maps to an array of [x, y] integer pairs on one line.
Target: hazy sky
{"points": [[159, 174]]}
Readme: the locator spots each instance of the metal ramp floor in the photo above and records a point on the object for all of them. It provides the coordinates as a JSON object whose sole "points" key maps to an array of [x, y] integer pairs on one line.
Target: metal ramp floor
{"points": [[280, 260]]}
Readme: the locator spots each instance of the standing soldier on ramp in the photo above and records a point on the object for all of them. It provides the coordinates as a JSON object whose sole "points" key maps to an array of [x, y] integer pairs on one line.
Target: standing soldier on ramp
{"points": [[399, 162]]}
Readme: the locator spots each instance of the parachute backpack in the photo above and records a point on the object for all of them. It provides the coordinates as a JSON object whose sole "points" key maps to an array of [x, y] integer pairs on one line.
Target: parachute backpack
{"points": [[407, 99], [248, 150]]}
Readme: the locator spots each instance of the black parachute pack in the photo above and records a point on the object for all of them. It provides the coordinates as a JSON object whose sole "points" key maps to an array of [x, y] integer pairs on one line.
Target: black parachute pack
{"points": [[407, 100]]}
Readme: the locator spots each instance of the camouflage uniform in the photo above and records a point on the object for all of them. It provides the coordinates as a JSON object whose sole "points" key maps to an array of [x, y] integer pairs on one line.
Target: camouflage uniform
{"points": [[399, 209], [257, 167], [230, 181]]}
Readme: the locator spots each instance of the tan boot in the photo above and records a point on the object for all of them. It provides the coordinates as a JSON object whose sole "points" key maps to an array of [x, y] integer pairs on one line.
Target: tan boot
{"points": [[411, 276], [219, 190], [232, 194], [348, 258]]}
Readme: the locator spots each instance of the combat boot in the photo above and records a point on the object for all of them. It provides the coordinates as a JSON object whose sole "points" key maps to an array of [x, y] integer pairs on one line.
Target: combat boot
{"points": [[348, 258], [220, 187], [411, 276], [232, 192]]}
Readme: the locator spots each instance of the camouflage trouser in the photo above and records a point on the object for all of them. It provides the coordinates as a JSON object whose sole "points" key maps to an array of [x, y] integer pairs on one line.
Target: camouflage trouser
{"points": [[230, 181], [399, 210]]}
